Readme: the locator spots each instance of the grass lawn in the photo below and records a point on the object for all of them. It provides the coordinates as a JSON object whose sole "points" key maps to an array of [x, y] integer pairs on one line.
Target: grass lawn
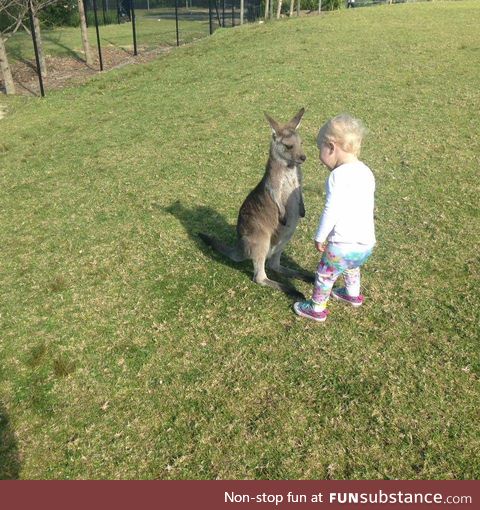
{"points": [[129, 350], [152, 30]]}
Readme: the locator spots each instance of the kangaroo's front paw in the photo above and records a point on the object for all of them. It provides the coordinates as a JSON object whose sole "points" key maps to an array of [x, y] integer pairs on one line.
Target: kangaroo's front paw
{"points": [[302, 209]]}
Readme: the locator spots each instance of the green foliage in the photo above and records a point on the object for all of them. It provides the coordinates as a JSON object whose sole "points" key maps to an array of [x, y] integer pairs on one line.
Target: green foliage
{"points": [[63, 13], [66, 14], [327, 5]]}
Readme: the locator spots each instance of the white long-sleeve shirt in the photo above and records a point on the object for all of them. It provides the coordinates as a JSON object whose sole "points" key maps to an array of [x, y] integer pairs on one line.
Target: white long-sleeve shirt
{"points": [[348, 213]]}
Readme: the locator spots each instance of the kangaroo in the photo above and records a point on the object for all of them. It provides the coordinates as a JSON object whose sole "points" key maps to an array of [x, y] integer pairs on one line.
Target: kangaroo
{"points": [[269, 215]]}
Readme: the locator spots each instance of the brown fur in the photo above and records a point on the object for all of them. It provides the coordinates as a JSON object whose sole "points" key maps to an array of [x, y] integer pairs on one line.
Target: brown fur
{"points": [[269, 215]]}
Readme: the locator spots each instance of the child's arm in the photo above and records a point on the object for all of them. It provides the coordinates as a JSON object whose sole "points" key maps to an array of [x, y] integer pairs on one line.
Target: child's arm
{"points": [[329, 216]]}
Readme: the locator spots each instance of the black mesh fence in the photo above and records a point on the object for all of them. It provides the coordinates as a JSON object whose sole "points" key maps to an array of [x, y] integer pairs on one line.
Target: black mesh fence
{"points": [[168, 22]]}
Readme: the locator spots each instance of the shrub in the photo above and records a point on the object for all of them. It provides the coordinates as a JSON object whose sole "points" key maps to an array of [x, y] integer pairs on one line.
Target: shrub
{"points": [[60, 14], [327, 5]]}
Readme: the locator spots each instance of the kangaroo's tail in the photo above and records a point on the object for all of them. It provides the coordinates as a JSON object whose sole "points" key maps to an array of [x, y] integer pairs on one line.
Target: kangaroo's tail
{"points": [[234, 253]]}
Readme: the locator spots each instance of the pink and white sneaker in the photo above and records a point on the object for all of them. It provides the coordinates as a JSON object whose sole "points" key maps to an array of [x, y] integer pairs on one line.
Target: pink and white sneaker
{"points": [[305, 309], [341, 295]]}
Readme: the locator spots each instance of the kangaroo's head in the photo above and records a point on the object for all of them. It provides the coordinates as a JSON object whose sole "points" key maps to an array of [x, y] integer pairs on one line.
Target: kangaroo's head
{"points": [[286, 143]]}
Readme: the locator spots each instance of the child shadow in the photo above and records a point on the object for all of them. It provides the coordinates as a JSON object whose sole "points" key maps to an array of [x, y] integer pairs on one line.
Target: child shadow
{"points": [[205, 219], [9, 458]]}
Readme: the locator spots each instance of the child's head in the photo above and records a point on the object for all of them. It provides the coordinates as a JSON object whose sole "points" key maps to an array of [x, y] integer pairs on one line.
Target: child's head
{"points": [[344, 130]]}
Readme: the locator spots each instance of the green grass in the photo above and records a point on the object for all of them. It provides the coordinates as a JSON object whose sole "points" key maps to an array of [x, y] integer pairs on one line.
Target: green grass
{"points": [[152, 31], [129, 350]]}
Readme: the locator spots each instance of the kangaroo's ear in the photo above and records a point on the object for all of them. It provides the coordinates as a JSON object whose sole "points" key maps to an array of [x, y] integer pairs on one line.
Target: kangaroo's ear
{"points": [[296, 121], [273, 124]]}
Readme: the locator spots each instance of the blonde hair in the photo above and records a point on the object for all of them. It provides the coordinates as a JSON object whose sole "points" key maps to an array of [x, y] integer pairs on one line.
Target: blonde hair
{"points": [[345, 130]]}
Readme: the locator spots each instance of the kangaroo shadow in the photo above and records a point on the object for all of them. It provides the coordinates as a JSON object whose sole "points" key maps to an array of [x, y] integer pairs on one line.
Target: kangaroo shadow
{"points": [[205, 219], [9, 458]]}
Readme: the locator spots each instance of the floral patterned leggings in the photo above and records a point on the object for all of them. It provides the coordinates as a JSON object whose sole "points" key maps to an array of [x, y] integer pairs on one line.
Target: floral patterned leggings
{"points": [[338, 259]]}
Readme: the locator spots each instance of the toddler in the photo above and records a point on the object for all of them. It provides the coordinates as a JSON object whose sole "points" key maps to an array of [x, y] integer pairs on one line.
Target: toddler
{"points": [[346, 235]]}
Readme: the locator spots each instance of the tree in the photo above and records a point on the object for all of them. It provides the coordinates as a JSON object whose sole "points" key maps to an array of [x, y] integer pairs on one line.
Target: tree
{"points": [[5, 68], [279, 8], [83, 29], [36, 6], [13, 13]]}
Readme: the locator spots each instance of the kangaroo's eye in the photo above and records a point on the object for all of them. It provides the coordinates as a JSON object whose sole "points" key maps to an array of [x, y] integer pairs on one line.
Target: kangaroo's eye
{"points": [[288, 147]]}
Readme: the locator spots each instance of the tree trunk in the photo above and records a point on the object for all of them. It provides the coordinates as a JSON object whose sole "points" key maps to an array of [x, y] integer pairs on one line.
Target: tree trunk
{"points": [[266, 8], [242, 11], [279, 8], [292, 5], [83, 28], [38, 37], [5, 68]]}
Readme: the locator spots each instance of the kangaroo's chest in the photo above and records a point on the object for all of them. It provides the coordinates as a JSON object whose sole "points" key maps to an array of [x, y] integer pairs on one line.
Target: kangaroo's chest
{"points": [[291, 189]]}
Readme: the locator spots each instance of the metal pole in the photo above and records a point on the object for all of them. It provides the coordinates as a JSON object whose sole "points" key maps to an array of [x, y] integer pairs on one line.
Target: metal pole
{"points": [[104, 9], [218, 14], [98, 34], [223, 13], [210, 14], [176, 21], [233, 13], [35, 47], [134, 28]]}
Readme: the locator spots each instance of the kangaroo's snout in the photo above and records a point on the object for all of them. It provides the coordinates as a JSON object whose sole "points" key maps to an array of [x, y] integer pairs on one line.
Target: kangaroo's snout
{"points": [[303, 158]]}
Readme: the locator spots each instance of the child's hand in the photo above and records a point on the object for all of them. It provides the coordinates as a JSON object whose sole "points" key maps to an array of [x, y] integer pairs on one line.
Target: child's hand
{"points": [[320, 247]]}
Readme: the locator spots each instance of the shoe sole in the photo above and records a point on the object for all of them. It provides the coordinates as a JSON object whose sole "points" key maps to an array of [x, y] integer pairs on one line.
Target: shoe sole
{"points": [[303, 314], [339, 298]]}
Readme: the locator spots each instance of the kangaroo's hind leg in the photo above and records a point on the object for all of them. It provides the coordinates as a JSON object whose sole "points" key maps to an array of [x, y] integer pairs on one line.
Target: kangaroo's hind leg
{"points": [[273, 263], [258, 253]]}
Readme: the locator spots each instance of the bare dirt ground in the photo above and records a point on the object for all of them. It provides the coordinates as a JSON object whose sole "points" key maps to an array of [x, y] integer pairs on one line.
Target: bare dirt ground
{"points": [[64, 71]]}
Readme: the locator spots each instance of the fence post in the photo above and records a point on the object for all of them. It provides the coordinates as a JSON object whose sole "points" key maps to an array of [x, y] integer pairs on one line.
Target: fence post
{"points": [[176, 21], [35, 47], [134, 28], [218, 14], [210, 16], [98, 34], [242, 8]]}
